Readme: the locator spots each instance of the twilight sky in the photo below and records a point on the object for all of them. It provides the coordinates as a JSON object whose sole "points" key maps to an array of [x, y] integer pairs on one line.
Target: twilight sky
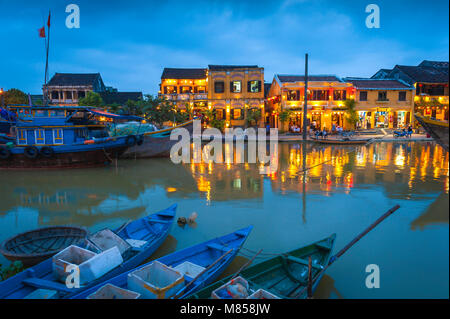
{"points": [[130, 42]]}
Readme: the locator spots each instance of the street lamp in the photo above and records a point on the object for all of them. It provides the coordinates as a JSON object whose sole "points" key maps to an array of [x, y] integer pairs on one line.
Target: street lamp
{"points": [[1, 94]]}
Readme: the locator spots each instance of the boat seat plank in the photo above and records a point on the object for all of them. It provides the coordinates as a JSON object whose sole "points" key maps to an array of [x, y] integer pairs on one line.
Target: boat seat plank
{"points": [[46, 284], [217, 247], [241, 233], [322, 246], [155, 220], [165, 214], [303, 262]]}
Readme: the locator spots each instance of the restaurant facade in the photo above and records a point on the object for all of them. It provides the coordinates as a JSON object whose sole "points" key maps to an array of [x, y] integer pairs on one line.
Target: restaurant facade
{"points": [[326, 97], [230, 90], [383, 103]]}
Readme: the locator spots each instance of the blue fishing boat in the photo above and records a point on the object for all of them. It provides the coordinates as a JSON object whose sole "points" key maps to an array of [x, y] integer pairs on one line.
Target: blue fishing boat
{"points": [[150, 232], [213, 256], [62, 137]]}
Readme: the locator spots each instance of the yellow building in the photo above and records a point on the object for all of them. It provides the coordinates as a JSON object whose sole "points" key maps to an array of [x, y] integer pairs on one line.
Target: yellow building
{"points": [[383, 103], [430, 80], [326, 96], [184, 86], [235, 90]]}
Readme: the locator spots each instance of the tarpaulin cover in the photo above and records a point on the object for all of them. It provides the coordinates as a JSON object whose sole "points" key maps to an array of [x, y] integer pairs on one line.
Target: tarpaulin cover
{"points": [[8, 115]]}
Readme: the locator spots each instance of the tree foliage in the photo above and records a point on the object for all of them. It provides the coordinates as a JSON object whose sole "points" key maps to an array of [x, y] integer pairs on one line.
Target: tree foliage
{"points": [[253, 117], [11, 270], [91, 99], [351, 116], [14, 96], [284, 116]]}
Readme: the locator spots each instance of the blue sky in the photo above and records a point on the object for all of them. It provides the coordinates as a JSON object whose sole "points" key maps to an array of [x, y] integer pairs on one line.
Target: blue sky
{"points": [[130, 42]]}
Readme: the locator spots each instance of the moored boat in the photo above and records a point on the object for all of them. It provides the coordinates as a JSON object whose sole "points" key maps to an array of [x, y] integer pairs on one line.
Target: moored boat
{"points": [[343, 141], [284, 276], [157, 143], [35, 246], [437, 129], [210, 258], [61, 137], [143, 236]]}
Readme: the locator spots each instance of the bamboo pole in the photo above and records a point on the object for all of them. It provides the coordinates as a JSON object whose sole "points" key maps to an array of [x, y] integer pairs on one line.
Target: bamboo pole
{"points": [[348, 246]]}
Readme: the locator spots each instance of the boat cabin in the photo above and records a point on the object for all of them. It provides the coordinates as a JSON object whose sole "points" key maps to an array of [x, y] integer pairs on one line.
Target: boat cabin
{"points": [[56, 125]]}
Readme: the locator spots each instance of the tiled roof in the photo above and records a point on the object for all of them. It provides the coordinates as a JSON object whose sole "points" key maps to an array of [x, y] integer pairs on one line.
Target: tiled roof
{"points": [[120, 97], [230, 67], [301, 78], [435, 64], [178, 73], [425, 74], [73, 79], [371, 84]]}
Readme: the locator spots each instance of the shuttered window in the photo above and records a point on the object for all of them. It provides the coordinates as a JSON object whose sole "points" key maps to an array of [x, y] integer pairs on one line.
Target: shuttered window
{"points": [[58, 136], [22, 137], [39, 136]]}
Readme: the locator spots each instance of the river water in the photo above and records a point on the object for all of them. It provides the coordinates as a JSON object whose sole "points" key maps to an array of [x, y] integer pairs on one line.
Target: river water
{"points": [[343, 190]]}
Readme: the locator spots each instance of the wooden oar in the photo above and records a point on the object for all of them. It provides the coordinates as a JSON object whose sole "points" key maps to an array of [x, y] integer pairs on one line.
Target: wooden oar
{"points": [[309, 278], [179, 293], [347, 247], [248, 263]]}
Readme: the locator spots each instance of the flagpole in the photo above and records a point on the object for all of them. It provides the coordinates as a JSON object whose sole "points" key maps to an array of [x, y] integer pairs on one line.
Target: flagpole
{"points": [[46, 59]]}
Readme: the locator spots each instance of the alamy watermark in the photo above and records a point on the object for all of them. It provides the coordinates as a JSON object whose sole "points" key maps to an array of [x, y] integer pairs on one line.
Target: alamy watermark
{"points": [[213, 150], [73, 19], [373, 279], [373, 19]]}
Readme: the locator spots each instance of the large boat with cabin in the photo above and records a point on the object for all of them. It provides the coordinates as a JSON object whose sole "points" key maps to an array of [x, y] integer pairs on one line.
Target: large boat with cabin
{"points": [[47, 137]]}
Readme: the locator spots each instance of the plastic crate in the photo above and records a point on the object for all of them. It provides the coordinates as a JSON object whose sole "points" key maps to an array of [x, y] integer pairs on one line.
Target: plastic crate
{"points": [[221, 292], [189, 270], [109, 291], [262, 294], [90, 264], [155, 281]]}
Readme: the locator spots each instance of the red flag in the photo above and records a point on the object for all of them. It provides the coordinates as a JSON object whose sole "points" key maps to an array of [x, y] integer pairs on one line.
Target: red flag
{"points": [[42, 32], [48, 22]]}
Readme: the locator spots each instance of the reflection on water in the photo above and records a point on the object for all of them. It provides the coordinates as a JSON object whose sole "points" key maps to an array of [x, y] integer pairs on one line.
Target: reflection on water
{"points": [[317, 190]]}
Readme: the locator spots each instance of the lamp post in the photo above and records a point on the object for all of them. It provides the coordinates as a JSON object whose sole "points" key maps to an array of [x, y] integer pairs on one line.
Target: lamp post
{"points": [[305, 108], [1, 97]]}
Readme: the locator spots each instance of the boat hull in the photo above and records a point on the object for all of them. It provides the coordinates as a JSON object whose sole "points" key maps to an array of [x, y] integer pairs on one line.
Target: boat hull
{"points": [[78, 159], [284, 276], [437, 129], [203, 254], [33, 247], [342, 142], [153, 229], [156, 144]]}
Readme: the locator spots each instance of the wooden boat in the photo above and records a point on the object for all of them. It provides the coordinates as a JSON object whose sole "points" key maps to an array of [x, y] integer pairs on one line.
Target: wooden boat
{"points": [[48, 137], [437, 129], [343, 141], [157, 143], [35, 246], [152, 229], [204, 255], [283, 276]]}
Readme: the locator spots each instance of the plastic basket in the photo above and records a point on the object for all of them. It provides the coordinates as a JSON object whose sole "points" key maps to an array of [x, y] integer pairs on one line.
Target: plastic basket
{"points": [[109, 291], [155, 281], [221, 292]]}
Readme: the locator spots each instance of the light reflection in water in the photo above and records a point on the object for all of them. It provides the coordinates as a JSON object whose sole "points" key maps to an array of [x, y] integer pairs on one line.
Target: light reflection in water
{"points": [[316, 190]]}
